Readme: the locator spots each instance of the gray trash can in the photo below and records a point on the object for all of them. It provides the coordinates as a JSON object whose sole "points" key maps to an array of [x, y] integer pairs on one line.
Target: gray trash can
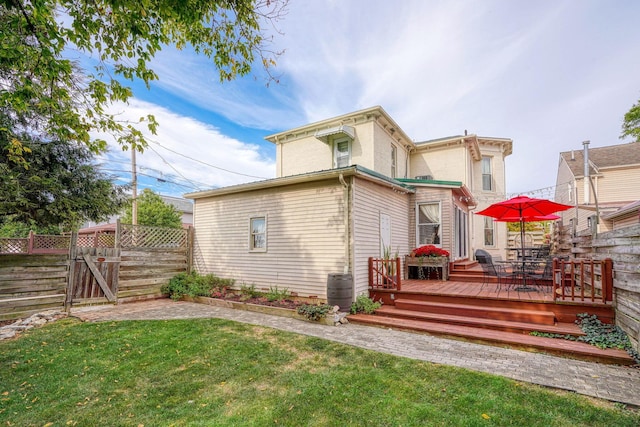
{"points": [[340, 290]]}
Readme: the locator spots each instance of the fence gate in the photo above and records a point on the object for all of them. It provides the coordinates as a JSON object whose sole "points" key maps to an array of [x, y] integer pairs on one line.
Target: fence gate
{"points": [[93, 275]]}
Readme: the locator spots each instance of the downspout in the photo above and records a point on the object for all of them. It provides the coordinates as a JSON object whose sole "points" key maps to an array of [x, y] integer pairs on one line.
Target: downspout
{"points": [[347, 228]]}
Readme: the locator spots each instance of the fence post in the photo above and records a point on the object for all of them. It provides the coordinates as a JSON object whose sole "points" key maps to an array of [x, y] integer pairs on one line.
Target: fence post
{"points": [[73, 248], [190, 244], [30, 245], [398, 274], [118, 234], [607, 279]]}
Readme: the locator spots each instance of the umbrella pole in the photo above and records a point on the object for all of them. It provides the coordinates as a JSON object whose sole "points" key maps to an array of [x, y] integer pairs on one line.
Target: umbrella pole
{"points": [[521, 262]]}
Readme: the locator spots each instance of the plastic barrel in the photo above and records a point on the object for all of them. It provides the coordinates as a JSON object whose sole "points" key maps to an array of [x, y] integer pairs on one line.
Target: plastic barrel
{"points": [[340, 290]]}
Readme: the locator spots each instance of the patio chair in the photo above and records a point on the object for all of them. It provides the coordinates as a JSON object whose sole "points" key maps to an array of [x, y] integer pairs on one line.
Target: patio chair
{"points": [[546, 276], [502, 276], [483, 256]]}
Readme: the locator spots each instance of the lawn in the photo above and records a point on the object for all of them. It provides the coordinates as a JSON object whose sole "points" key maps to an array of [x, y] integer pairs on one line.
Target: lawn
{"points": [[210, 372]]}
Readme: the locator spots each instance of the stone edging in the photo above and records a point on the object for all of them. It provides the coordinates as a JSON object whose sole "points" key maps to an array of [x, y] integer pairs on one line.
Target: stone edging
{"points": [[38, 319], [334, 318]]}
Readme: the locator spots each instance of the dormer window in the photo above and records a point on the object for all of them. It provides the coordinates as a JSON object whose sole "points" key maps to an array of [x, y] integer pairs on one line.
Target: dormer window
{"points": [[341, 152]]}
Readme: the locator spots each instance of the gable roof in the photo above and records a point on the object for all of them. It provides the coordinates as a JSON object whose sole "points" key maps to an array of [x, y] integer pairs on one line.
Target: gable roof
{"points": [[603, 157]]}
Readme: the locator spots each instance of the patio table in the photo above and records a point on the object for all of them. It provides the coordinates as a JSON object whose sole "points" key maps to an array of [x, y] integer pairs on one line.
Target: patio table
{"points": [[522, 268]]}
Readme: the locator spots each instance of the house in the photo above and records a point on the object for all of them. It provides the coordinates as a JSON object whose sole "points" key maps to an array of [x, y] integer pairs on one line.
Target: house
{"points": [[608, 192], [346, 188]]}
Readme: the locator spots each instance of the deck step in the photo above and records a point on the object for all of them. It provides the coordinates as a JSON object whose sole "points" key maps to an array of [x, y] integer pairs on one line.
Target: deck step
{"points": [[565, 348], [484, 323], [464, 265], [479, 311]]}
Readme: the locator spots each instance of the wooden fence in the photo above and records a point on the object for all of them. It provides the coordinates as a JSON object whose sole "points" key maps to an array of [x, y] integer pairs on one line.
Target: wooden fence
{"points": [[131, 264], [623, 248]]}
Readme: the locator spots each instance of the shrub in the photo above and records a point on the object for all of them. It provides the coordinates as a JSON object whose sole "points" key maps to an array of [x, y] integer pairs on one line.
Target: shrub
{"points": [[249, 291], [194, 285], [275, 294], [364, 304], [314, 312]]}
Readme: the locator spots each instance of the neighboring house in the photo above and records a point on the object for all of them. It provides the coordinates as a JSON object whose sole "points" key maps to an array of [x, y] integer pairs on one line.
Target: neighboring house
{"points": [[345, 189], [614, 173], [626, 216], [184, 207]]}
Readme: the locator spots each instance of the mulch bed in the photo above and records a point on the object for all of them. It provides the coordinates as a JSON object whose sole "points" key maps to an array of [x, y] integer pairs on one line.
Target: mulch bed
{"points": [[286, 303]]}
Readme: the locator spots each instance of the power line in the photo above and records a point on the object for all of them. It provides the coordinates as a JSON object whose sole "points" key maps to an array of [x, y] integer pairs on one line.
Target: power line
{"points": [[151, 176], [175, 170], [205, 163]]}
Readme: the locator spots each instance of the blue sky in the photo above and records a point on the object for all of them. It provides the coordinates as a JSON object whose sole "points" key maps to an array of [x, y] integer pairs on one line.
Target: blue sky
{"points": [[548, 74]]}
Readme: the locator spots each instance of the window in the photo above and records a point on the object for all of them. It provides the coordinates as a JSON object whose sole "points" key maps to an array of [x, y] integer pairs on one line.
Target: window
{"points": [[488, 232], [428, 232], [258, 237], [394, 157], [486, 174], [342, 153]]}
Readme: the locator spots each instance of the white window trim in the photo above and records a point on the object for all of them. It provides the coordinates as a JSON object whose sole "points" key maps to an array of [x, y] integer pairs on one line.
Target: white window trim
{"points": [[394, 161], [336, 141], [439, 245], [491, 184], [486, 221], [266, 243]]}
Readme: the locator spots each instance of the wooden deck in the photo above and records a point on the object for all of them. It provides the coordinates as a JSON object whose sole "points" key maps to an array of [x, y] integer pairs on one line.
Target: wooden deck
{"points": [[488, 290], [504, 316]]}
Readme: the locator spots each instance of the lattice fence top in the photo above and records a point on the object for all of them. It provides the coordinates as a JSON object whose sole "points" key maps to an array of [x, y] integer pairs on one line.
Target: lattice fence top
{"points": [[35, 244], [96, 240], [51, 242], [14, 246], [140, 236]]}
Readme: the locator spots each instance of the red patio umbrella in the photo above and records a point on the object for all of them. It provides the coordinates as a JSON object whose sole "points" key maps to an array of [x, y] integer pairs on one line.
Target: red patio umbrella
{"points": [[523, 209], [551, 217]]}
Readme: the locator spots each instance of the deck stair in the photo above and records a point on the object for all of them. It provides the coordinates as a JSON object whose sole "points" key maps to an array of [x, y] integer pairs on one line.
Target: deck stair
{"points": [[467, 271], [475, 311], [481, 322]]}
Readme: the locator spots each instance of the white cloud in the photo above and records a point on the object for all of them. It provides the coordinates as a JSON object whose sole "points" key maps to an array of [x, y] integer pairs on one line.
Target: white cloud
{"points": [[548, 74], [182, 143]]}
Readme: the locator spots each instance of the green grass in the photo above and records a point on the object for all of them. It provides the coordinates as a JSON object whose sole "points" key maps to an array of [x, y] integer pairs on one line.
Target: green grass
{"points": [[210, 372]]}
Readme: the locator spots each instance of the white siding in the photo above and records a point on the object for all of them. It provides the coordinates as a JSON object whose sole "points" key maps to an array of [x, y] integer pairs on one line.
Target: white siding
{"points": [[369, 201], [305, 237]]}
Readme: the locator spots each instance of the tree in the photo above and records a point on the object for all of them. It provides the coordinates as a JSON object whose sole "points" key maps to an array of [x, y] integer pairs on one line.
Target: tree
{"points": [[152, 210], [50, 97], [56, 184], [631, 123]]}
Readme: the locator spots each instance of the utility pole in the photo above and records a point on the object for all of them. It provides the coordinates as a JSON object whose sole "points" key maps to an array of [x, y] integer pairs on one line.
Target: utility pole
{"points": [[134, 188]]}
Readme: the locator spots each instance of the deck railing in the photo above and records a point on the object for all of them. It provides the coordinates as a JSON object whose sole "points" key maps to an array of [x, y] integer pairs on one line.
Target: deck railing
{"points": [[583, 280], [385, 273]]}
